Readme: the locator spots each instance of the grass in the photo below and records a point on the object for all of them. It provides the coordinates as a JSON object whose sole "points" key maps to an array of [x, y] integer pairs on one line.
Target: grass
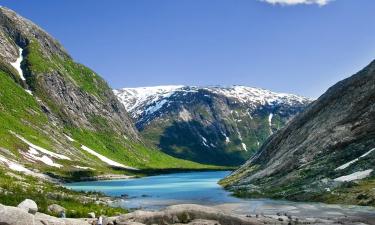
{"points": [[14, 188]]}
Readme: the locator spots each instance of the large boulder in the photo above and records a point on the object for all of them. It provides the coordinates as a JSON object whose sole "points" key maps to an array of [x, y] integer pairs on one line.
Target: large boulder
{"points": [[15, 216], [91, 215], [56, 209], [29, 206], [187, 213], [43, 219]]}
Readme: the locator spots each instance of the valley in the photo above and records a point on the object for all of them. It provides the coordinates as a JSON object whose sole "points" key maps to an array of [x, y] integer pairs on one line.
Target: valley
{"points": [[72, 148]]}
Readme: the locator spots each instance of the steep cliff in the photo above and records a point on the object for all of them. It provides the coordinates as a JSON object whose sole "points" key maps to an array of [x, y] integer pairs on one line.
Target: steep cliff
{"points": [[326, 153]]}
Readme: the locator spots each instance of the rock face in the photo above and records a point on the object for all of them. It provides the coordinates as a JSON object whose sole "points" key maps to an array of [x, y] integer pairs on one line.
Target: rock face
{"points": [[325, 153], [29, 206], [217, 125]]}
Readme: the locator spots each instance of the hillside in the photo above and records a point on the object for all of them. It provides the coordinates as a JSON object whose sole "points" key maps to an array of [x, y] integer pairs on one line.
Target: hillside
{"points": [[215, 125], [59, 118], [324, 154]]}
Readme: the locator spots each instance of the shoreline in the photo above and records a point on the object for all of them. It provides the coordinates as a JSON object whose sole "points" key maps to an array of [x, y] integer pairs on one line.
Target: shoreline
{"points": [[138, 174], [190, 214]]}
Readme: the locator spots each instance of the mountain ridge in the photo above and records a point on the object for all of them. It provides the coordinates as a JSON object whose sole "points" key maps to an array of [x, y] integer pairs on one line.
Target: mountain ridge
{"points": [[186, 120], [324, 154]]}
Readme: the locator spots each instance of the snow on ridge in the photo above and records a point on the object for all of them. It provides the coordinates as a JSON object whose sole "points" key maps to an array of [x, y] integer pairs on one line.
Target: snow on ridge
{"points": [[105, 159], [17, 63], [355, 176], [344, 166], [149, 100], [134, 97], [256, 95]]}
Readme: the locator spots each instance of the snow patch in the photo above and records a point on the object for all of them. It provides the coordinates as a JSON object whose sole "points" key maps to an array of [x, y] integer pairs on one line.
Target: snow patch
{"points": [[43, 150], [83, 167], [19, 168], [244, 146], [239, 135], [355, 176], [355, 160], [29, 92], [204, 141], [34, 155], [270, 122], [17, 63], [69, 138], [105, 159], [13, 166]]}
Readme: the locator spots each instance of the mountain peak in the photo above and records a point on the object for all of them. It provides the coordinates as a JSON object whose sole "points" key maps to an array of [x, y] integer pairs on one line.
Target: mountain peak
{"points": [[209, 124], [136, 100], [18, 31]]}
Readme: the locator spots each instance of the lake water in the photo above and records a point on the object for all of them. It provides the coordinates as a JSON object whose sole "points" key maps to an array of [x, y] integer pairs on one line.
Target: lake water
{"points": [[157, 192]]}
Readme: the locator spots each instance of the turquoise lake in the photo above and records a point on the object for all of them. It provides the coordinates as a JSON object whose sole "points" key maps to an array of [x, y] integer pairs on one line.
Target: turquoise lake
{"points": [[156, 192], [162, 190]]}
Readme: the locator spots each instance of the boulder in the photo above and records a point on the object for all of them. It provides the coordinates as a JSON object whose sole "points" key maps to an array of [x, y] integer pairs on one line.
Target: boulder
{"points": [[91, 215], [29, 206], [15, 216], [185, 214], [56, 209], [43, 219]]}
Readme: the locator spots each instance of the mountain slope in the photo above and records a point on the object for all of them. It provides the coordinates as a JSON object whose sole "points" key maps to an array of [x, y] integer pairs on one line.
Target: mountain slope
{"points": [[58, 117], [216, 125], [326, 153]]}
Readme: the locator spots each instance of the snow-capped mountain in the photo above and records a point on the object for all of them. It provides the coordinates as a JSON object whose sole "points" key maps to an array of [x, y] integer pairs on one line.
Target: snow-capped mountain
{"points": [[231, 122]]}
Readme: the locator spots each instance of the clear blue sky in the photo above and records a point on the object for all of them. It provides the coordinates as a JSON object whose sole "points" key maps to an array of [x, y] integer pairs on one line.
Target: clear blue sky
{"points": [[303, 48]]}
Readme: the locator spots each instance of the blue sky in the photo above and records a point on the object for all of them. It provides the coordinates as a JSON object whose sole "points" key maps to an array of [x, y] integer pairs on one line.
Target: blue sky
{"points": [[296, 48]]}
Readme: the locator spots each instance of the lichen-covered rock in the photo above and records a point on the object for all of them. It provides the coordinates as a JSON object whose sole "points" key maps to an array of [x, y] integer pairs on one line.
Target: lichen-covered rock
{"points": [[56, 209]]}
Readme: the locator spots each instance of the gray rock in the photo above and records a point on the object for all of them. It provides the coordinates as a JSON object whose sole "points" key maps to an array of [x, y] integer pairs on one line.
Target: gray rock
{"points": [[302, 160], [91, 215], [29, 206], [15, 216], [56, 209], [43, 219], [187, 213]]}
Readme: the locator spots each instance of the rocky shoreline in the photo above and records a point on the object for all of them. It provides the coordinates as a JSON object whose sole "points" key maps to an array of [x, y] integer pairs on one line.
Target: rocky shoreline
{"points": [[27, 214]]}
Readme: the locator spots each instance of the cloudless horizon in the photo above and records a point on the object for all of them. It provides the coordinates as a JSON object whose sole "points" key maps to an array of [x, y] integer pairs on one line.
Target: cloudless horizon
{"points": [[302, 49]]}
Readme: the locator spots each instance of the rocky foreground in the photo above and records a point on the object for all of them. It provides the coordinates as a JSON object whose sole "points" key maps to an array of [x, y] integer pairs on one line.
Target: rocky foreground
{"points": [[27, 214]]}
